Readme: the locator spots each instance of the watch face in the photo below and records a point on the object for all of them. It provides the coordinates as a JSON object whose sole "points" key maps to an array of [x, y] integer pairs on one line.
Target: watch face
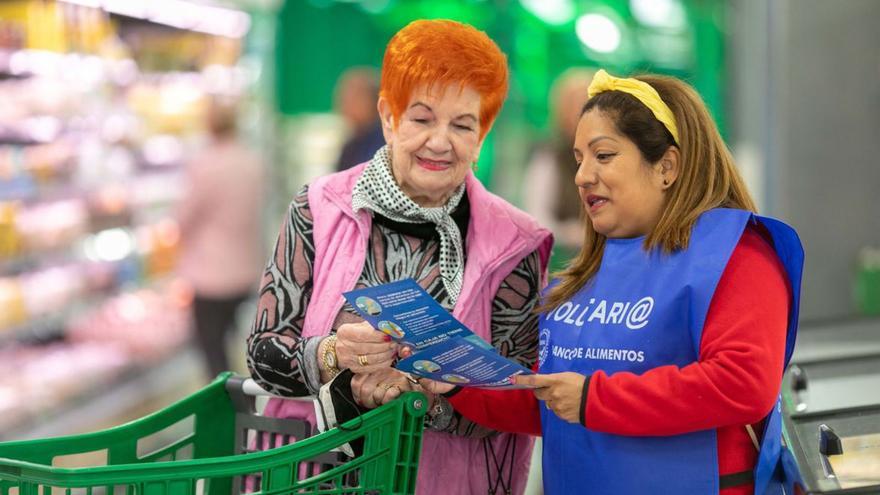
{"points": [[330, 359]]}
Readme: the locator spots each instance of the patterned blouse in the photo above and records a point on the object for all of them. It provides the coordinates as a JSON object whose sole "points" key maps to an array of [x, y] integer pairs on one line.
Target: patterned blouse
{"points": [[285, 363]]}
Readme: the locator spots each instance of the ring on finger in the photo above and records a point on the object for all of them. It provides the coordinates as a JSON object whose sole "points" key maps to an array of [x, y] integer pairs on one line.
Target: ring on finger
{"points": [[362, 360], [380, 388]]}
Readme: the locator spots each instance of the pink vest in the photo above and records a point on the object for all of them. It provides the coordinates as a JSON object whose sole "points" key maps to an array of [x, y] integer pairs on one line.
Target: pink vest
{"points": [[499, 236]]}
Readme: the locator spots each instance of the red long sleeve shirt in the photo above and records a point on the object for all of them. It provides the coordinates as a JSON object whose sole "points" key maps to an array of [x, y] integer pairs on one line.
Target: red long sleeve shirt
{"points": [[735, 382]]}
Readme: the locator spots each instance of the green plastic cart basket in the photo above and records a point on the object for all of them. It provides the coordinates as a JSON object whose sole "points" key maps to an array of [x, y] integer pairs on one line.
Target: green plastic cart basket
{"points": [[211, 457]]}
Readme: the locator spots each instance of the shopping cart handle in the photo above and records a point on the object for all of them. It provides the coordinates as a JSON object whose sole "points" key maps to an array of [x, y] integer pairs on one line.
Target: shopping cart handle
{"points": [[252, 388]]}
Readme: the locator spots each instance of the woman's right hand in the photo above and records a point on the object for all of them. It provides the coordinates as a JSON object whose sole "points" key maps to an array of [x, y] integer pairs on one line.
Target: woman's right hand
{"points": [[436, 388], [429, 386], [363, 349]]}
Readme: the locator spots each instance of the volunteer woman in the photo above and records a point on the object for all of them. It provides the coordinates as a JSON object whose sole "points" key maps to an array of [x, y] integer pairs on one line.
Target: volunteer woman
{"points": [[662, 346]]}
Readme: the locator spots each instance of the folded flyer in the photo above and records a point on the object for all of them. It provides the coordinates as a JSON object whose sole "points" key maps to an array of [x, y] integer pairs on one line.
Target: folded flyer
{"points": [[443, 348]]}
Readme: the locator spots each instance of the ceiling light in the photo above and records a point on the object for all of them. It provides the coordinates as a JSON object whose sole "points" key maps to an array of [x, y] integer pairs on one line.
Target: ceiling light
{"points": [[658, 13], [598, 33], [554, 12], [182, 14]]}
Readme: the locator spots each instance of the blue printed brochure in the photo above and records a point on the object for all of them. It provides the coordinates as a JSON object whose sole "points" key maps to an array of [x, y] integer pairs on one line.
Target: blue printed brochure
{"points": [[444, 349]]}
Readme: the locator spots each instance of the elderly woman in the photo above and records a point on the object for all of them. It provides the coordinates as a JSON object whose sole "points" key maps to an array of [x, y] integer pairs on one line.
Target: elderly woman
{"points": [[414, 210]]}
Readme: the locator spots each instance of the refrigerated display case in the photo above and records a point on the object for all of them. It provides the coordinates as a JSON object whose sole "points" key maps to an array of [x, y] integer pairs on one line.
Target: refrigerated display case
{"points": [[94, 133]]}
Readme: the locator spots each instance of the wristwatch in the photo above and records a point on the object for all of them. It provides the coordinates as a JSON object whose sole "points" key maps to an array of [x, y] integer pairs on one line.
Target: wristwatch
{"points": [[328, 355]]}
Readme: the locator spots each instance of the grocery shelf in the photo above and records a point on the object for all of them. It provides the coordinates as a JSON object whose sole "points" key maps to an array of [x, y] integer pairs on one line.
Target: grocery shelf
{"points": [[51, 326], [38, 329], [24, 262], [171, 375]]}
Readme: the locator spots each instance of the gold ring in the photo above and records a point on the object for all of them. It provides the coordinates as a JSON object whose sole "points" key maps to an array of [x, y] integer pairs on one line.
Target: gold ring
{"points": [[362, 360], [386, 386]]}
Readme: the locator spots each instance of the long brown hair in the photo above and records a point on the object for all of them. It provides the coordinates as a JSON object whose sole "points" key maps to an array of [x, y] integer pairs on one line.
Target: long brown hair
{"points": [[707, 177]]}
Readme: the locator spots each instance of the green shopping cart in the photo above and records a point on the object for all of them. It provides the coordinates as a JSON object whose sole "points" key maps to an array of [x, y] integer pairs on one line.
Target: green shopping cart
{"points": [[210, 456]]}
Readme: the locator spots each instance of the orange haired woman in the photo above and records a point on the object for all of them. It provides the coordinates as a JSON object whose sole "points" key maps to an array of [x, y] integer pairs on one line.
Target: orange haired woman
{"points": [[414, 211]]}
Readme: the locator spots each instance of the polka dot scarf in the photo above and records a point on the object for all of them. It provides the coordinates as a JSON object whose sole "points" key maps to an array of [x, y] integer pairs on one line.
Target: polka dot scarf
{"points": [[377, 190]]}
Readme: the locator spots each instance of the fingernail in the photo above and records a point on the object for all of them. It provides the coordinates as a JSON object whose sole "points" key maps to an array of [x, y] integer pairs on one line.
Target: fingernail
{"points": [[387, 338]]}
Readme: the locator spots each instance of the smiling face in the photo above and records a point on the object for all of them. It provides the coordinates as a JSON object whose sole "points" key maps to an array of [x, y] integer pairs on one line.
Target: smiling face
{"points": [[435, 141], [623, 194]]}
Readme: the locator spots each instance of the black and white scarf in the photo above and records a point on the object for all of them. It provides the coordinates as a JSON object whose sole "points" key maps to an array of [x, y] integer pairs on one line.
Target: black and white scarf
{"points": [[377, 190]]}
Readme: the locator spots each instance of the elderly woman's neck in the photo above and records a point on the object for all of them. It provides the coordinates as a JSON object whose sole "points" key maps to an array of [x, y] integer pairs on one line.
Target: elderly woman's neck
{"points": [[427, 201]]}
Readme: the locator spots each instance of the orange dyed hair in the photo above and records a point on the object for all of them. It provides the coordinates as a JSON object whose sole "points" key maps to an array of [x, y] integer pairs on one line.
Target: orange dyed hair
{"points": [[430, 52]]}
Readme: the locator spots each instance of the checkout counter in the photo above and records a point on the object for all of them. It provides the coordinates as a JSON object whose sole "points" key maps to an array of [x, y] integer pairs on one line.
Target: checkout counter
{"points": [[831, 405]]}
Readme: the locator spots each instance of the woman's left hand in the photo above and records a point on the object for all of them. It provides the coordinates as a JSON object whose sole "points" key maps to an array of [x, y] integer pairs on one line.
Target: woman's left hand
{"points": [[562, 392], [379, 387]]}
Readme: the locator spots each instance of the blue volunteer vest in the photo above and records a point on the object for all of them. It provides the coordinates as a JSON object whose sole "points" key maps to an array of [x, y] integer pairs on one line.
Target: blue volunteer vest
{"points": [[643, 310]]}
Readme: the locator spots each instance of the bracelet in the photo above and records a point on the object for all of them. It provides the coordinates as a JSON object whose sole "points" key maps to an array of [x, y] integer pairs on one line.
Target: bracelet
{"points": [[328, 355], [440, 416]]}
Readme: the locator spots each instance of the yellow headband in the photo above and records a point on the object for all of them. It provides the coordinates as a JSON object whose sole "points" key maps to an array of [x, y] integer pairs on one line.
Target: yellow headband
{"points": [[643, 91]]}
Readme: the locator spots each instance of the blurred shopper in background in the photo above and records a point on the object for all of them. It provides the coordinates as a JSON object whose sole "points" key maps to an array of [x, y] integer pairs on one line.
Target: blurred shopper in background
{"points": [[549, 193], [219, 217], [415, 210], [355, 100]]}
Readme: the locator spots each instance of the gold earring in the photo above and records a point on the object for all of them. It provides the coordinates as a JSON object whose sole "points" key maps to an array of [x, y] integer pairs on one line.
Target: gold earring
{"points": [[474, 166]]}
